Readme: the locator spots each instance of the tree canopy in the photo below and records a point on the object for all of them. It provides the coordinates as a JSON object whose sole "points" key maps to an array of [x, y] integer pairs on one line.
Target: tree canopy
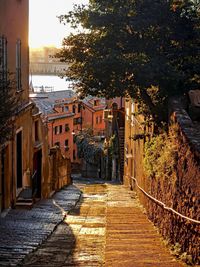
{"points": [[142, 48], [89, 147]]}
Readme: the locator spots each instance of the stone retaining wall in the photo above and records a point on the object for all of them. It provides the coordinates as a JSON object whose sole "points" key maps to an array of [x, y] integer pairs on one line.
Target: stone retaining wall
{"points": [[182, 193], [180, 190]]}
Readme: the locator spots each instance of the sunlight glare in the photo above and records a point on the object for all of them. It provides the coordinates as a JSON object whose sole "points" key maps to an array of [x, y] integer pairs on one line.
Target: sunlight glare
{"points": [[44, 26]]}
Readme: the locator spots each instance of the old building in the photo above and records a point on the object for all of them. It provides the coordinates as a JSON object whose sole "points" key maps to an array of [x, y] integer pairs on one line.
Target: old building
{"points": [[134, 145], [114, 142], [92, 113], [66, 116], [24, 164]]}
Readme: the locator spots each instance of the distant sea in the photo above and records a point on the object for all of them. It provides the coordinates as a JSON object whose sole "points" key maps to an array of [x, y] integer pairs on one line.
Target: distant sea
{"points": [[49, 82]]}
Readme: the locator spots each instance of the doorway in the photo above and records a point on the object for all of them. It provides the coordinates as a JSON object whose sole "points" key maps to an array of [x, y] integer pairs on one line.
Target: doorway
{"points": [[19, 159], [3, 158]]}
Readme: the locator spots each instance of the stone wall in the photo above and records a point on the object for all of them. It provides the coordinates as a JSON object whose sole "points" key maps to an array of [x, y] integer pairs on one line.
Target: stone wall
{"points": [[182, 192], [60, 169]]}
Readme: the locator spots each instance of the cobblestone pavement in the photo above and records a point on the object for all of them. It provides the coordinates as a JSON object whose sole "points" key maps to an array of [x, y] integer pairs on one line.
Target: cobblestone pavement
{"points": [[106, 228], [80, 239], [22, 231]]}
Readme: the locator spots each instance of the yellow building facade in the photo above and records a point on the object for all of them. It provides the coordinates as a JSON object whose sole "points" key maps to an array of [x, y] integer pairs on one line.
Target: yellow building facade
{"points": [[24, 160], [136, 133]]}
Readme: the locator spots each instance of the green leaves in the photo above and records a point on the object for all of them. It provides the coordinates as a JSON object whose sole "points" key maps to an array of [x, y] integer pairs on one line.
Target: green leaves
{"points": [[129, 46], [88, 147]]}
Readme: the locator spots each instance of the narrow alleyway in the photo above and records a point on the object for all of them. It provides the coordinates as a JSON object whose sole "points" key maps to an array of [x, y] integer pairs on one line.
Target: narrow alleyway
{"points": [[106, 228]]}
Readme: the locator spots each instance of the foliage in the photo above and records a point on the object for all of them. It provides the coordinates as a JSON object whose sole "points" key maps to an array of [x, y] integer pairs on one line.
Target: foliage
{"points": [[161, 155], [111, 147], [8, 107], [88, 148], [176, 251], [139, 136], [147, 49]]}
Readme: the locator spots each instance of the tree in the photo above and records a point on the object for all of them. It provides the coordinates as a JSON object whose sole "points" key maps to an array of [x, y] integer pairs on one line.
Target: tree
{"points": [[89, 147], [8, 106], [132, 47]]}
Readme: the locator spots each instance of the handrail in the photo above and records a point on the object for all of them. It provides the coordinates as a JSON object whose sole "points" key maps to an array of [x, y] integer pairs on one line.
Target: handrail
{"points": [[161, 203], [33, 176]]}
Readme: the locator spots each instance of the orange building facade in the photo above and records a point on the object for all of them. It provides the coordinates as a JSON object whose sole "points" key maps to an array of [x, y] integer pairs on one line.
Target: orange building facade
{"points": [[66, 116]]}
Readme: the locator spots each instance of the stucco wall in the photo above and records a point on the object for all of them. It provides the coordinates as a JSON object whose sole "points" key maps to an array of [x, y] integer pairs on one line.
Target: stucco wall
{"points": [[14, 25], [60, 170]]}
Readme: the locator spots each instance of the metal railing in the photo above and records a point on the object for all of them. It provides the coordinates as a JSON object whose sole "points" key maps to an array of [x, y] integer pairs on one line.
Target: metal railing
{"points": [[161, 204]]}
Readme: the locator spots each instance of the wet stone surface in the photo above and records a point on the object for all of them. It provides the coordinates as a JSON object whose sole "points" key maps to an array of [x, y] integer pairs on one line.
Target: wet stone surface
{"points": [[22, 231], [80, 239]]}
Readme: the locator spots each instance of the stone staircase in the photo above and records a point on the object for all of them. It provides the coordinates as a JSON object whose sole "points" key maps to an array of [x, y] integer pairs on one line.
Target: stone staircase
{"points": [[25, 199]]}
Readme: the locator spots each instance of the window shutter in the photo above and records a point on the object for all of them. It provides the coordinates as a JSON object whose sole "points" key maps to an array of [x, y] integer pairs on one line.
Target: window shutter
{"points": [[3, 60], [18, 65]]}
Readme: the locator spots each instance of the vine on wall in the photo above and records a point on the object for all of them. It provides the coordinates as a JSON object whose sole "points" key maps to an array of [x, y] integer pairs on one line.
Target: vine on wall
{"points": [[161, 154]]}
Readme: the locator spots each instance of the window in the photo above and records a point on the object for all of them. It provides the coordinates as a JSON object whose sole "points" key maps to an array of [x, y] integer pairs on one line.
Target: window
{"points": [[3, 60], [66, 108], [95, 102], [96, 120], [66, 145], [100, 121], [18, 65], [66, 127], [74, 109], [74, 139], [56, 130], [66, 142], [77, 121], [79, 108], [74, 154]]}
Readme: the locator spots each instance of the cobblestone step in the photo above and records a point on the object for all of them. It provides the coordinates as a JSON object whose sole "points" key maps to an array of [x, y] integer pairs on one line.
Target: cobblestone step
{"points": [[107, 227], [131, 239]]}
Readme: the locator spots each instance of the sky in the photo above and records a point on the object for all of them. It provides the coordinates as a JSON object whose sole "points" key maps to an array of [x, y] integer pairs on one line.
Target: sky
{"points": [[44, 26]]}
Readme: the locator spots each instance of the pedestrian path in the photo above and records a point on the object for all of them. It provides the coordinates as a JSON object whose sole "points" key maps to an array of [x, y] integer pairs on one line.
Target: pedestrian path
{"points": [[22, 231], [80, 239], [131, 239], [107, 227]]}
